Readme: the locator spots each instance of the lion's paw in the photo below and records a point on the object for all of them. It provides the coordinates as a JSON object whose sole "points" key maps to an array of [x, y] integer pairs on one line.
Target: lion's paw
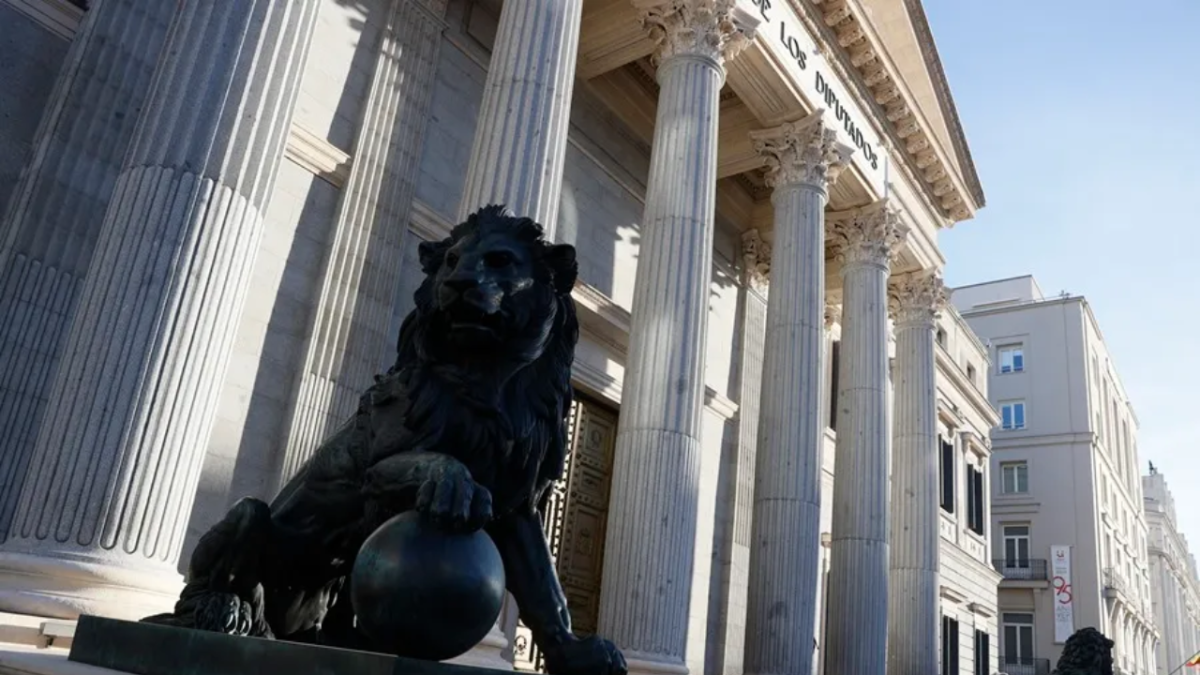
{"points": [[451, 499], [223, 613], [586, 656]]}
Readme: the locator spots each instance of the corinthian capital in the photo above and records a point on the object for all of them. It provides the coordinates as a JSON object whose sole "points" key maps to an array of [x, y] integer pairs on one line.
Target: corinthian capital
{"points": [[805, 152], [756, 257], [833, 314], [916, 298], [870, 235], [711, 29]]}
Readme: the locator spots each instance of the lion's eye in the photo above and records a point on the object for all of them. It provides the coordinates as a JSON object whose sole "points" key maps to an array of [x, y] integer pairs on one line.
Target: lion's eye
{"points": [[451, 259], [498, 259]]}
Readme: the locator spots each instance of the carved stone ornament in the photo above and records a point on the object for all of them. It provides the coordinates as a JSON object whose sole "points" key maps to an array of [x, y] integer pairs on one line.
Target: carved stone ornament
{"points": [[871, 235], [805, 152], [915, 298], [833, 314], [756, 255], [712, 29]]}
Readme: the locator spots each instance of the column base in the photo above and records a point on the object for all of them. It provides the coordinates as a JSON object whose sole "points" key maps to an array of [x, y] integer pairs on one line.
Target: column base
{"points": [[489, 653], [60, 588]]}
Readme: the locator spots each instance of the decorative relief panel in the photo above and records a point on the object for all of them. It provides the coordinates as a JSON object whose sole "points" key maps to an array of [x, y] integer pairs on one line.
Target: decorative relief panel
{"points": [[575, 522]]}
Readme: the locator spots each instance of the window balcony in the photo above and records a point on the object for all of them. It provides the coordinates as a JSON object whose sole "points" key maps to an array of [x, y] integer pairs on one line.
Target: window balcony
{"points": [[1024, 666], [1028, 569]]}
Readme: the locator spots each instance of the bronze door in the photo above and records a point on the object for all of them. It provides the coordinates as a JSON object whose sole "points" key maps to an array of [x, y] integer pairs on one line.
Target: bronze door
{"points": [[575, 522]]}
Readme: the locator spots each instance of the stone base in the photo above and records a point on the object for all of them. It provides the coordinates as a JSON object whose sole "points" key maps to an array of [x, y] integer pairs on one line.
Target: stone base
{"points": [[34, 631], [61, 588], [148, 649]]}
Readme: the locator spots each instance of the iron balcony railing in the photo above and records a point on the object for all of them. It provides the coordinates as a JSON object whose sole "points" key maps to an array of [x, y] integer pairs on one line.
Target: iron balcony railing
{"points": [[1023, 666], [1023, 569]]}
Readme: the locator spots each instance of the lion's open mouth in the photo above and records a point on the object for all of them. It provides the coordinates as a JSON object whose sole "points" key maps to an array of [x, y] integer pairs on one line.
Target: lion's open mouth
{"points": [[466, 316]]}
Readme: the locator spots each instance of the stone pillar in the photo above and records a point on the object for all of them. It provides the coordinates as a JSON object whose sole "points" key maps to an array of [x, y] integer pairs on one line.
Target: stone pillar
{"points": [[856, 636], [915, 300], [101, 518], [349, 336], [49, 231], [646, 588], [521, 135], [803, 160]]}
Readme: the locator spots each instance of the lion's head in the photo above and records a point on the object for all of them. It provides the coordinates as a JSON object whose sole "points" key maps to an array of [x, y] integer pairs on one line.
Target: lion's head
{"points": [[495, 286]]}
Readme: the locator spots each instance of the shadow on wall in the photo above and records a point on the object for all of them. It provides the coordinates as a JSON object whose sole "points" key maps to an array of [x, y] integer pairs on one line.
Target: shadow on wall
{"points": [[282, 357]]}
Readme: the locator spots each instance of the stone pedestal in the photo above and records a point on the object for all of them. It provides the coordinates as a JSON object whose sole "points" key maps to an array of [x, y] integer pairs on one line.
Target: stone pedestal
{"points": [[349, 337], [803, 160], [649, 547], [49, 231], [856, 633], [101, 518], [913, 567], [521, 136]]}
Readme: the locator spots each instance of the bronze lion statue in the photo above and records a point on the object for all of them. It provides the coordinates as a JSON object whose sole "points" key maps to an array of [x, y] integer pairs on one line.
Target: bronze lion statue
{"points": [[1086, 652], [468, 428]]}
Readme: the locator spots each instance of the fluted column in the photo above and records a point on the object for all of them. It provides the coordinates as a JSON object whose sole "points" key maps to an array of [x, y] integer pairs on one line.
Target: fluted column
{"points": [[916, 300], [521, 135], [50, 228], [803, 160], [101, 518], [856, 637], [349, 334], [646, 589]]}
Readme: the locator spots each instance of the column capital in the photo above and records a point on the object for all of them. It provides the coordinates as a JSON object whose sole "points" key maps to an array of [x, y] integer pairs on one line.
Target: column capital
{"points": [[717, 30], [804, 152], [916, 298], [833, 313], [868, 235], [756, 257]]}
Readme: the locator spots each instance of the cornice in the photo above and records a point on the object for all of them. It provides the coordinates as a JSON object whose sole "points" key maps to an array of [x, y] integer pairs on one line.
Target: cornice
{"points": [[57, 16], [879, 82], [318, 156]]}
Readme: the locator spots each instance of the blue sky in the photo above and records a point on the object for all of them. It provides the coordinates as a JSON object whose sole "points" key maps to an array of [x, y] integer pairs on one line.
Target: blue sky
{"points": [[1084, 122]]}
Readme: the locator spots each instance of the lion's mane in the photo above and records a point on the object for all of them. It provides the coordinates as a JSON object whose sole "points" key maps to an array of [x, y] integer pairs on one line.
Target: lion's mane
{"points": [[521, 434]]}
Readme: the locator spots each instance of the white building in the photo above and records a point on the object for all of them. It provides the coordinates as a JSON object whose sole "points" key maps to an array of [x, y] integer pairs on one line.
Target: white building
{"points": [[1066, 464], [1173, 579], [735, 176]]}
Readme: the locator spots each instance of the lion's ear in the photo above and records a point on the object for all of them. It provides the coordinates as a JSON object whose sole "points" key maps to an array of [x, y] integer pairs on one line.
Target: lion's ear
{"points": [[561, 260], [431, 254]]}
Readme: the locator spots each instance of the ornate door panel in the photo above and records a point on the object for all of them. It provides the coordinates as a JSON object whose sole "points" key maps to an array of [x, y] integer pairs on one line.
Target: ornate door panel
{"points": [[575, 522]]}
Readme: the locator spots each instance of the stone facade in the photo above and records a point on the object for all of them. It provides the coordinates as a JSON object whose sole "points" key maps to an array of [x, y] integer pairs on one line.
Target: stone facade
{"points": [[1174, 582], [740, 230], [1064, 479]]}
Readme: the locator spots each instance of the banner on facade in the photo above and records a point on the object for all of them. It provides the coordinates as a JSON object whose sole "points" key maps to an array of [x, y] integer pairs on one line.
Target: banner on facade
{"points": [[1064, 601]]}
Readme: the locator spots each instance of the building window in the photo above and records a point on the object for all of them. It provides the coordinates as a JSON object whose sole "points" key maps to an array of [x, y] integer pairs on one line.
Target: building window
{"points": [[949, 646], [941, 337], [1014, 478], [983, 652], [1018, 642], [1012, 415], [1016, 546], [1012, 359], [975, 509], [947, 475], [971, 373]]}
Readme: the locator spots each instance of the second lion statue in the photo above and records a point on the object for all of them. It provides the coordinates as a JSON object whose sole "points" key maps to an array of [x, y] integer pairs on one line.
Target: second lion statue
{"points": [[469, 428]]}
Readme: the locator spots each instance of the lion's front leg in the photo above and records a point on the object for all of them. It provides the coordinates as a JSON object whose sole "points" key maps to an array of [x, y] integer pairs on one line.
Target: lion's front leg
{"points": [[438, 486], [533, 582]]}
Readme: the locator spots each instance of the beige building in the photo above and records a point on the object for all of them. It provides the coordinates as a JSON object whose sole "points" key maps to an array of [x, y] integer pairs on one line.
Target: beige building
{"points": [[206, 253], [1173, 579], [1068, 527]]}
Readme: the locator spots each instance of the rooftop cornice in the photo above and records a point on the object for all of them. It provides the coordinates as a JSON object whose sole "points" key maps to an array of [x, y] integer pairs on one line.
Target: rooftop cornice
{"points": [[956, 196]]}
